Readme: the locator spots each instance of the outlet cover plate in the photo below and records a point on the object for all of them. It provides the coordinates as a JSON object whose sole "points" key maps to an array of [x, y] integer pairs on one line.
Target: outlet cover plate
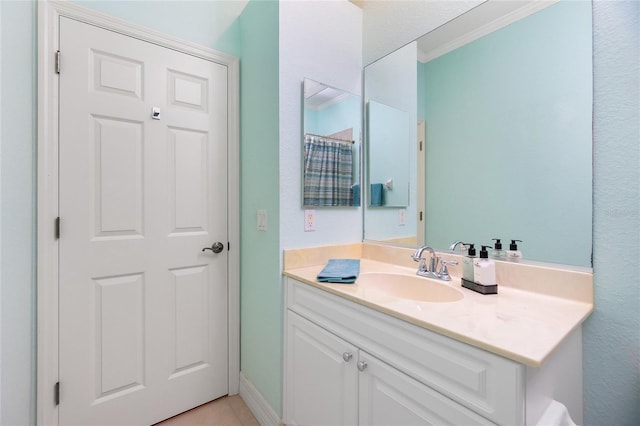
{"points": [[309, 220]]}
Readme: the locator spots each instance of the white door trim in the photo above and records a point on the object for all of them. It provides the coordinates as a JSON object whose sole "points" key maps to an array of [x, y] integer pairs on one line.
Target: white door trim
{"points": [[47, 188]]}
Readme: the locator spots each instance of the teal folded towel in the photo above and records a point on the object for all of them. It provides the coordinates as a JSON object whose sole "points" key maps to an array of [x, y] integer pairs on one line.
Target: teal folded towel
{"points": [[340, 271], [377, 195], [355, 190]]}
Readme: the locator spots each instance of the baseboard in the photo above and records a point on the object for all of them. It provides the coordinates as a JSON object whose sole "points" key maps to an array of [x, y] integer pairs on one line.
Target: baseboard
{"points": [[259, 406]]}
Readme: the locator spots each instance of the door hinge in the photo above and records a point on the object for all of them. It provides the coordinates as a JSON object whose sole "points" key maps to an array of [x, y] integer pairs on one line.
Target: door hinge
{"points": [[420, 145], [57, 228], [420, 216], [57, 62], [56, 393]]}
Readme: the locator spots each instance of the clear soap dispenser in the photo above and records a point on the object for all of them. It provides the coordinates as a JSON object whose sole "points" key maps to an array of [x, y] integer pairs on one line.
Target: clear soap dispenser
{"points": [[513, 253], [498, 253]]}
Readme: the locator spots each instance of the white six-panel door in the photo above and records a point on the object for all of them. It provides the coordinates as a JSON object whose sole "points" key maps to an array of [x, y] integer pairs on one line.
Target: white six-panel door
{"points": [[143, 310]]}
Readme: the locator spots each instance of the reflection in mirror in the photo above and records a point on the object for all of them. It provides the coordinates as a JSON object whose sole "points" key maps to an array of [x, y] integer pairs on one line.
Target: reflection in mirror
{"points": [[388, 139], [390, 83], [508, 139], [331, 145]]}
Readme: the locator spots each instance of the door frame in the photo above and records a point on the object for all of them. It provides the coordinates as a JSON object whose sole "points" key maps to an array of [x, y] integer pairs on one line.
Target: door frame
{"points": [[47, 254], [421, 210]]}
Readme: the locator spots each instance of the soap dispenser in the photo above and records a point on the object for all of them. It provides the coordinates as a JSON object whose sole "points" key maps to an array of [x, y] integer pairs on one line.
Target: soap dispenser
{"points": [[498, 253], [484, 269], [467, 263], [513, 253], [484, 272]]}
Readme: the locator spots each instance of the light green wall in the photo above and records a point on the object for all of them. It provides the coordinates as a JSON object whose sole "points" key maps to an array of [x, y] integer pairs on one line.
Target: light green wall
{"points": [[209, 23], [261, 293], [17, 201], [509, 121], [612, 333]]}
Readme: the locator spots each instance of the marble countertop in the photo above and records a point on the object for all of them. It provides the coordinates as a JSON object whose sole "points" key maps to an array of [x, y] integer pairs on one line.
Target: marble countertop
{"points": [[521, 325]]}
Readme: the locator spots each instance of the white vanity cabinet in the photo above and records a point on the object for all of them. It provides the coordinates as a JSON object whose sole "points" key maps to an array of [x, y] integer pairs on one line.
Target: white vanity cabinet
{"points": [[322, 378], [331, 382], [348, 364], [387, 396]]}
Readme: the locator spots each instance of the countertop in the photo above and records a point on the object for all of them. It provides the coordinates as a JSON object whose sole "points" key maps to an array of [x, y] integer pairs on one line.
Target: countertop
{"points": [[521, 325]]}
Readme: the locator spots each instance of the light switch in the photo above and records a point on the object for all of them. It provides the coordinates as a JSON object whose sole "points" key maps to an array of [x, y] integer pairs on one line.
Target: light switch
{"points": [[262, 220]]}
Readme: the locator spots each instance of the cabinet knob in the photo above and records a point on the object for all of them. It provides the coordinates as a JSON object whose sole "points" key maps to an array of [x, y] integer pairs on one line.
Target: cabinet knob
{"points": [[362, 365], [347, 356]]}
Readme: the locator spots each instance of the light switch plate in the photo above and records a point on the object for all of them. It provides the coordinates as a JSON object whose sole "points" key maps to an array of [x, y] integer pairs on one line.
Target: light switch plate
{"points": [[262, 220]]}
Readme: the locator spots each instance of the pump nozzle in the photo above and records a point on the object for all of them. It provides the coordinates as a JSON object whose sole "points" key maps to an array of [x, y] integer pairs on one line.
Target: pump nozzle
{"points": [[513, 245], [471, 250]]}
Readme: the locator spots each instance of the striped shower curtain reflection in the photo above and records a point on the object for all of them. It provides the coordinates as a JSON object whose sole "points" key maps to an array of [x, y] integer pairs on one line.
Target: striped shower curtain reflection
{"points": [[328, 169]]}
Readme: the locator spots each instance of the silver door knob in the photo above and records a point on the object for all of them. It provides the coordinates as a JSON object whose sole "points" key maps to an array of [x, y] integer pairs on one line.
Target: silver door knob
{"points": [[347, 356], [362, 365], [216, 247]]}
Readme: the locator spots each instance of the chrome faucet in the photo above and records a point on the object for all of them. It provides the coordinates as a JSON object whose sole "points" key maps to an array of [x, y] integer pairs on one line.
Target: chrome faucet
{"points": [[431, 271], [457, 243], [423, 269]]}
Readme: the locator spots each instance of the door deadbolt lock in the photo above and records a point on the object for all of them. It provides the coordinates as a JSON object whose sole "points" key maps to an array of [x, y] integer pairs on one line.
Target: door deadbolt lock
{"points": [[155, 113]]}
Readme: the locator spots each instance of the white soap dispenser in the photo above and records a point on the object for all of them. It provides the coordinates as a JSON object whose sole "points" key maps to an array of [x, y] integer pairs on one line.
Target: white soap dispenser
{"points": [[467, 263], [484, 269], [513, 254]]}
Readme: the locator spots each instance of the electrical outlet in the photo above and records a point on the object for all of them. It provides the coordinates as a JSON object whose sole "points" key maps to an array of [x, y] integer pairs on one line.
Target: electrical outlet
{"points": [[262, 220], [401, 216], [309, 220]]}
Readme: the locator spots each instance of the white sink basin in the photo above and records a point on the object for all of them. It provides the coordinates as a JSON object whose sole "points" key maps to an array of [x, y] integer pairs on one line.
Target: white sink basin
{"points": [[410, 287]]}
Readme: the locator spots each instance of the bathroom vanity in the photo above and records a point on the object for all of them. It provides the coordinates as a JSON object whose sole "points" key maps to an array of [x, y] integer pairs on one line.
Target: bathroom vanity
{"points": [[360, 354]]}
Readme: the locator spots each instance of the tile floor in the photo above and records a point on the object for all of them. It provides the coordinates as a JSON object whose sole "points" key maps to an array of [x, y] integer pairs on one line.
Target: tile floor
{"points": [[225, 411]]}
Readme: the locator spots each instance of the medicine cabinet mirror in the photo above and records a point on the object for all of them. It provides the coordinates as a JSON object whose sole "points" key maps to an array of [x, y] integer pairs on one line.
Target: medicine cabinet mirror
{"points": [[331, 146], [499, 133]]}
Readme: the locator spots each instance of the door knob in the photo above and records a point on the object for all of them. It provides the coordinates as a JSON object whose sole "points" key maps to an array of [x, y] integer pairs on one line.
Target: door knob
{"points": [[347, 356], [216, 247], [362, 365]]}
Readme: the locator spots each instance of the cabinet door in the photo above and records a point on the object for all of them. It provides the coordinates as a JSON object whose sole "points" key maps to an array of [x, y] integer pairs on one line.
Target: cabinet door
{"points": [[390, 397], [321, 376]]}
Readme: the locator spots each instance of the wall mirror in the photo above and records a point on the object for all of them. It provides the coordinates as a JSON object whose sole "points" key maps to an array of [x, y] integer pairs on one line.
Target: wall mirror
{"points": [[331, 146], [500, 134]]}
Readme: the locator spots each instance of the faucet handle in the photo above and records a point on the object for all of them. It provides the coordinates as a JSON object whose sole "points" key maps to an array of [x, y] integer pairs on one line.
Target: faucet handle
{"points": [[423, 264], [444, 273]]}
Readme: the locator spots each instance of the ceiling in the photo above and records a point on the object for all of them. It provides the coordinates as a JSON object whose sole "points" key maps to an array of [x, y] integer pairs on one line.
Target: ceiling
{"points": [[390, 24]]}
